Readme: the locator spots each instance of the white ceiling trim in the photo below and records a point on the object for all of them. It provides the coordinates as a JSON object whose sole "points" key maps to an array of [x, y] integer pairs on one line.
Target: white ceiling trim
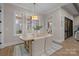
{"points": [[44, 8]]}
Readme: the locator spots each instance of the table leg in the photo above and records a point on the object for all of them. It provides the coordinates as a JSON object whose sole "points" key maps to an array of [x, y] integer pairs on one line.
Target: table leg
{"points": [[28, 46]]}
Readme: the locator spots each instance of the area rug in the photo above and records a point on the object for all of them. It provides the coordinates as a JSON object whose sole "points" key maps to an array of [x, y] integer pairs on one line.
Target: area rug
{"points": [[19, 50], [55, 47]]}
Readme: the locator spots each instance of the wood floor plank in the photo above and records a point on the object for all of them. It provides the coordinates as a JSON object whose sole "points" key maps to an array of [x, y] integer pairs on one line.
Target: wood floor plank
{"points": [[8, 51]]}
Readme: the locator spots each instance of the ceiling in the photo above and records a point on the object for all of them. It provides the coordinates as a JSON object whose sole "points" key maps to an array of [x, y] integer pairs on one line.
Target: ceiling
{"points": [[41, 8], [44, 8], [72, 8]]}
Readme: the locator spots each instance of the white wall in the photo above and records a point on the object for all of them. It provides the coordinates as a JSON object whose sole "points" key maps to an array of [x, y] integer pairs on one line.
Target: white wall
{"points": [[9, 20], [64, 14], [55, 17], [58, 17], [42, 22], [76, 22], [9, 35], [9, 23]]}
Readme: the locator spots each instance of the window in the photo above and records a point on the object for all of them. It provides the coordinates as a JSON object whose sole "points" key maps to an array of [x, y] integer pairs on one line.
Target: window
{"points": [[25, 24], [18, 24], [31, 24]]}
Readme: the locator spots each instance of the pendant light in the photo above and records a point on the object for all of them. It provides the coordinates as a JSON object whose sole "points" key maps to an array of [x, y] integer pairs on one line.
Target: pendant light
{"points": [[34, 17]]}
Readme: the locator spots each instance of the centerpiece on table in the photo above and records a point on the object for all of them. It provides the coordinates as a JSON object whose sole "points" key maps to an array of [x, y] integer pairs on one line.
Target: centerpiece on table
{"points": [[37, 28]]}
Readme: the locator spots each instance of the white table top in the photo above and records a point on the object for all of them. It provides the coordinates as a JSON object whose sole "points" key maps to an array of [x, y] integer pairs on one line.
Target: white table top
{"points": [[32, 37]]}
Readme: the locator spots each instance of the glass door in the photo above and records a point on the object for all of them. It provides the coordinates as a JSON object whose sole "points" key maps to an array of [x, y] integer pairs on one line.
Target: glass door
{"points": [[68, 28]]}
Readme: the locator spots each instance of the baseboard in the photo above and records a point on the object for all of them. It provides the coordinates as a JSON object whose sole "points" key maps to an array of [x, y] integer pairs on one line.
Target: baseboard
{"points": [[1, 47]]}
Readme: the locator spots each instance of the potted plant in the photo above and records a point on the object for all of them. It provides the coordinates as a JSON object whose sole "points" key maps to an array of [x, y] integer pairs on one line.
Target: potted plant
{"points": [[37, 27]]}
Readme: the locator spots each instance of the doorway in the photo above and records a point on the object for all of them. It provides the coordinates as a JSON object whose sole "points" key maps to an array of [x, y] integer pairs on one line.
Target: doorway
{"points": [[68, 28]]}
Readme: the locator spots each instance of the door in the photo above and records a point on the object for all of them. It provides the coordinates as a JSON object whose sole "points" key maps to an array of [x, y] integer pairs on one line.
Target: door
{"points": [[68, 28]]}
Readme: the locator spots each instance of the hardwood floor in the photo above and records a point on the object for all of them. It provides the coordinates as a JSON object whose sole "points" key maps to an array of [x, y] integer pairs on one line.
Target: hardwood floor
{"points": [[70, 48], [8, 51]]}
